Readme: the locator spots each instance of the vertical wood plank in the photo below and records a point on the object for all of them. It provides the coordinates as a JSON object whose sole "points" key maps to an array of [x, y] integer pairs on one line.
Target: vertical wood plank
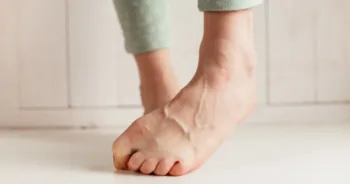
{"points": [[347, 46], [93, 53], [42, 53], [292, 51], [8, 63], [128, 80], [260, 42], [333, 65]]}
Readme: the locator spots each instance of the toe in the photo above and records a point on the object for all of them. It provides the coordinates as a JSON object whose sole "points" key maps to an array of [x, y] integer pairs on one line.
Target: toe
{"points": [[149, 166], [120, 161], [164, 167], [136, 161], [121, 153], [179, 169]]}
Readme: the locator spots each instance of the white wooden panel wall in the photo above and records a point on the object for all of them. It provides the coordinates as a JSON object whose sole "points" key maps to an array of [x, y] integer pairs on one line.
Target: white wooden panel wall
{"points": [[261, 43], [42, 53], [93, 34], [8, 65], [292, 42], [309, 50], [62, 63], [332, 31]]}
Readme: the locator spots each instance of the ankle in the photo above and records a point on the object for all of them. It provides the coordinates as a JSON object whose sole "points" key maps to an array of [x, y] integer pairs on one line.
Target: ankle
{"points": [[230, 25], [223, 61], [227, 47], [154, 68]]}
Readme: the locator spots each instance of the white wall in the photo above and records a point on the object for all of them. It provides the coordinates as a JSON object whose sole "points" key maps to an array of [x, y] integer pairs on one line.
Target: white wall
{"points": [[62, 63]]}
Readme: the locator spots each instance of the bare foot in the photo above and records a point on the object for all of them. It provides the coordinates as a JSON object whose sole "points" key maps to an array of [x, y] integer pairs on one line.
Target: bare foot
{"points": [[158, 95], [182, 135], [158, 84]]}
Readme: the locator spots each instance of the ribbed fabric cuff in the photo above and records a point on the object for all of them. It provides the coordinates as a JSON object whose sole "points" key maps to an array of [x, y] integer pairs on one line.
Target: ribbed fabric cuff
{"points": [[145, 24], [226, 5], [141, 40]]}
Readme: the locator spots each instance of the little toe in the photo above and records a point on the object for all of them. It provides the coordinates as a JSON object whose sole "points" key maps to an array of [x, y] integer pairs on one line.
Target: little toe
{"points": [[136, 161], [164, 167], [149, 165]]}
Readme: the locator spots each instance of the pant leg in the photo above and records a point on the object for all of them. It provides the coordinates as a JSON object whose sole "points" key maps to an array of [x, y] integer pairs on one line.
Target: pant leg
{"points": [[145, 24], [226, 5]]}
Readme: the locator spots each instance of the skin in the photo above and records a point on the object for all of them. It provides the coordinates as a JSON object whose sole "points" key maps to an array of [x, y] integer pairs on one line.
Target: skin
{"points": [[179, 136], [158, 83]]}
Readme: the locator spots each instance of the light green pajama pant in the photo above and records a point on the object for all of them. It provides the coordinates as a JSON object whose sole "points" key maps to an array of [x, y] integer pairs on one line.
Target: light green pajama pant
{"points": [[146, 23]]}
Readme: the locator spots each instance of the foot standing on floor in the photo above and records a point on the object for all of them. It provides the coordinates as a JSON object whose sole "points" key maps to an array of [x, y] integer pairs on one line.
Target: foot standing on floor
{"points": [[181, 129]]}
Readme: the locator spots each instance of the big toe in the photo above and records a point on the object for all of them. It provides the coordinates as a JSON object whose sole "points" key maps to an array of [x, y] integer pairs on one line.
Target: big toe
{"points": [[122, 151]]}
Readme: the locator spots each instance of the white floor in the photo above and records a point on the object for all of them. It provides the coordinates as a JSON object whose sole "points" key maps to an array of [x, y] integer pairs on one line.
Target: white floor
{"points": [[255, 154]]}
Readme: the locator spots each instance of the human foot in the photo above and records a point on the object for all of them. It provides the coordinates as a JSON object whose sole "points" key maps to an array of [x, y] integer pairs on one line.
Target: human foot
{"points": [[181, 136], [158, 84], [158, 94]]}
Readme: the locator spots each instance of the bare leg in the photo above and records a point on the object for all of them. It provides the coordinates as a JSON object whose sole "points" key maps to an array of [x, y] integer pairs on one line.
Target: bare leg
{"points": [[158, 82], [181, 136], [146, 30]]}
